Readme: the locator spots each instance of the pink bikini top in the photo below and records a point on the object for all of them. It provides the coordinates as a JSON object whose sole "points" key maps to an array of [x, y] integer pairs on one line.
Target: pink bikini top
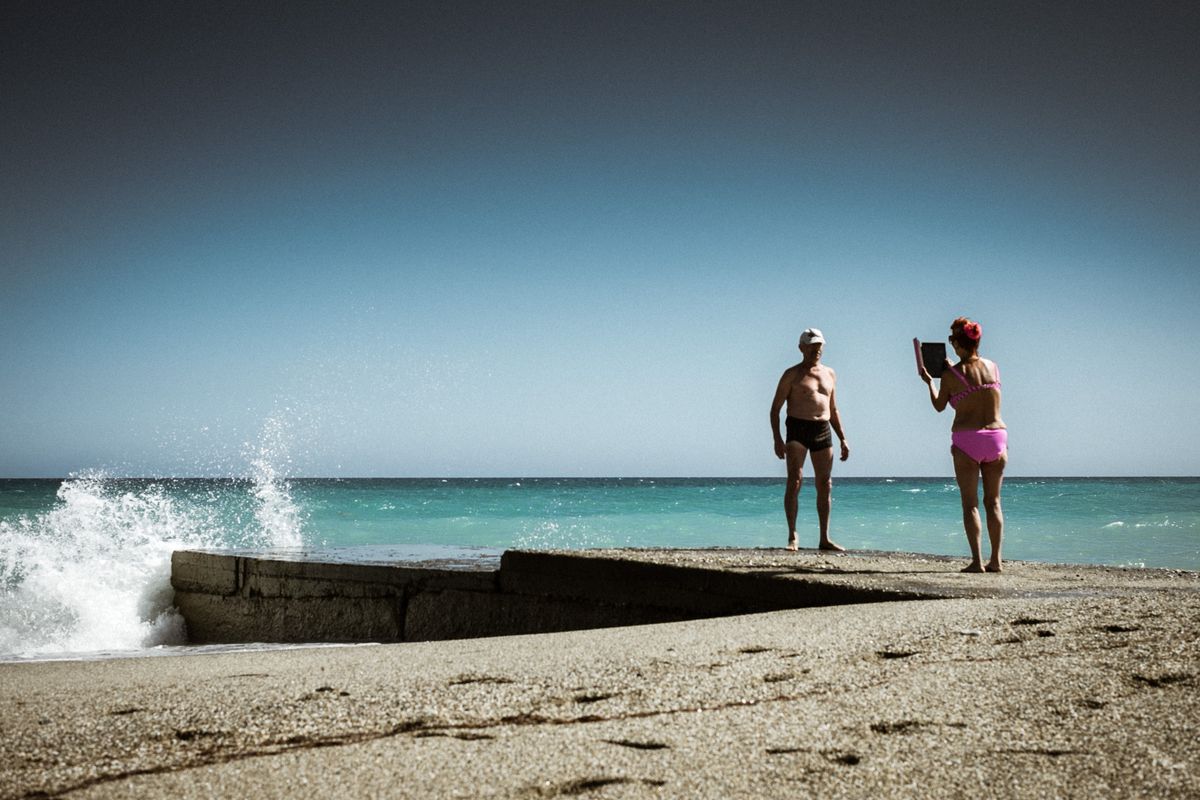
{"points": [[971, 388]]}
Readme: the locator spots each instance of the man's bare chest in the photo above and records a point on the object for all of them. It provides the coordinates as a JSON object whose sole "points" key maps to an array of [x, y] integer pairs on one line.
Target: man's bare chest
{"points": [[811, 386]]}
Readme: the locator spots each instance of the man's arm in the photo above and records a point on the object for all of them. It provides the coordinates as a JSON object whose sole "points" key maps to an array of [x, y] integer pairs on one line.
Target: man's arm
{"points": [[835, 421], [781, 393]]}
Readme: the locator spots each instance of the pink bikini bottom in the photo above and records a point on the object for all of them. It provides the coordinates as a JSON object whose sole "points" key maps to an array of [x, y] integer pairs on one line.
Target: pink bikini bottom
{"points": [[981, 446]]}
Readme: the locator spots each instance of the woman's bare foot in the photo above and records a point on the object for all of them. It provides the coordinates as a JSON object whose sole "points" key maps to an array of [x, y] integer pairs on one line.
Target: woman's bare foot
{"points": [[974, 566], [830, 544], [792, 544], [993, 567]]}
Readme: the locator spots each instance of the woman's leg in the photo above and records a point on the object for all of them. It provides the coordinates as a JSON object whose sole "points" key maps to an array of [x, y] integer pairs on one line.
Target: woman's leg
{"points": [[993, 477], [966, 472]]}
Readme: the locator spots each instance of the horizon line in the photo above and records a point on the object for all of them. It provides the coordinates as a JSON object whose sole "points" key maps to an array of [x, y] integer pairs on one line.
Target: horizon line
{"points": [[563, 477]]}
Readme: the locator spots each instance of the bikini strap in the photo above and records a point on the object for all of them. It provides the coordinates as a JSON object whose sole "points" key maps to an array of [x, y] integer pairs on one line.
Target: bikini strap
{"points": [[969, 387], [961, 378]]}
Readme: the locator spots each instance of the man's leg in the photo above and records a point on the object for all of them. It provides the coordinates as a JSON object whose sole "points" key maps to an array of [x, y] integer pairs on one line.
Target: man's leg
{"points": [[822, 461], [966, 472], [993, 476], [796, 453]]}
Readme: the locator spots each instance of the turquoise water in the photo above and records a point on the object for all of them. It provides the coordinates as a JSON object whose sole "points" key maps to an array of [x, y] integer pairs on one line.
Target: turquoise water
{"points": [[84, 563]]}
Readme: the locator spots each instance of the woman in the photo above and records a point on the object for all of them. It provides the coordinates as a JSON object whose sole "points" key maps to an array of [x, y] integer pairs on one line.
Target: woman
{"points": [[979, 440]]}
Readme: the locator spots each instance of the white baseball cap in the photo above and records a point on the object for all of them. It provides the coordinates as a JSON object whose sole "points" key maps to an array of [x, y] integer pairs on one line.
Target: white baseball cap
{"points": [[812, 336]]}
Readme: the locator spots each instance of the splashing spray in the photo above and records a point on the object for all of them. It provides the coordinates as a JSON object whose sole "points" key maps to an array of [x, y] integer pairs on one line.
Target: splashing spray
{"points": [[278, 517], [93, 573]]}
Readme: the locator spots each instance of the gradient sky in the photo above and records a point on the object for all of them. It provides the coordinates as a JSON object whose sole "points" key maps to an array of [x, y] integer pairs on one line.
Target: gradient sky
{"points": [[581, 239]]}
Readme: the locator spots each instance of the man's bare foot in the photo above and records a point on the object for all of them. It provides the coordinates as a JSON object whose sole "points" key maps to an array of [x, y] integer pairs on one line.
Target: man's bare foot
{"points": [[830, 544], [973, 567], [993, 567], [792, 543]]}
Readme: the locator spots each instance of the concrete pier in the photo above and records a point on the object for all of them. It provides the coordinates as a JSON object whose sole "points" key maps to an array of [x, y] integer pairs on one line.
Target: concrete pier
{"points": [[344, 596]]}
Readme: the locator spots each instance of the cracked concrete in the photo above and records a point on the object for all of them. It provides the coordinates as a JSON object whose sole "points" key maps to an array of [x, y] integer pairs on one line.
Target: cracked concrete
{"points": [[933, 697]]}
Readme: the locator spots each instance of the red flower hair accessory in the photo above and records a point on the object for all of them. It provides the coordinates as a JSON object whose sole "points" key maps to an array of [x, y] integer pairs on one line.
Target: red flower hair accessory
{"points": [[973, 331]]}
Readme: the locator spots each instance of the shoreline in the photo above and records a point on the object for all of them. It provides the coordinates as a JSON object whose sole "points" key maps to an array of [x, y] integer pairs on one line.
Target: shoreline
{"points": [[1062, 687]]}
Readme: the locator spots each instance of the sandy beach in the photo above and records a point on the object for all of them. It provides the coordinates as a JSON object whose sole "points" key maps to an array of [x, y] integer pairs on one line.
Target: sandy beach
{"points": [[1090, 692]]}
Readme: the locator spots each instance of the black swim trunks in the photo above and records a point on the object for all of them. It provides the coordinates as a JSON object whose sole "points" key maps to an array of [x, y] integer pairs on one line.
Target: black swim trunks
{"points": [[812, 433]]}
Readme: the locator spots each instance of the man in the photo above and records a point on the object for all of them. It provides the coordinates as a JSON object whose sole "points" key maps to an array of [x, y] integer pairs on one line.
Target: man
{"points": [[808, 390]]}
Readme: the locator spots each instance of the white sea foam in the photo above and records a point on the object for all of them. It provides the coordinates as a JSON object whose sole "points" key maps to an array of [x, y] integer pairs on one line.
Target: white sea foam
{"points": [[93, 573], [1163, 523]]}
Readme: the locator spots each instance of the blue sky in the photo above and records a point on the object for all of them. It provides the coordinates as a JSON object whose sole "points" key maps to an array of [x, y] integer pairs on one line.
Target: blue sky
{"points": [[460, 239]]}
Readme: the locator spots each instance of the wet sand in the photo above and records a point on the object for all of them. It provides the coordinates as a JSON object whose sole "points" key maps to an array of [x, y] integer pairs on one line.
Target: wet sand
{"points": [[1040, 692]]}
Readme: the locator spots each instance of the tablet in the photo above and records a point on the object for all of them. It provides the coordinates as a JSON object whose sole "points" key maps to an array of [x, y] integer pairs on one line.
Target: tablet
{"points": [[932, 355]]}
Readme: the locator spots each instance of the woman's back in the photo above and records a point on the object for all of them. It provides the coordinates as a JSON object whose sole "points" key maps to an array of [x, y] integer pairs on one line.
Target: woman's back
{"points": [[975, 394]]}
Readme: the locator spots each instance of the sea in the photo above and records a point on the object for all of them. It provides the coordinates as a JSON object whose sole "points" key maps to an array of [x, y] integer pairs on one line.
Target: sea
{"points": [[85, 561]]}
